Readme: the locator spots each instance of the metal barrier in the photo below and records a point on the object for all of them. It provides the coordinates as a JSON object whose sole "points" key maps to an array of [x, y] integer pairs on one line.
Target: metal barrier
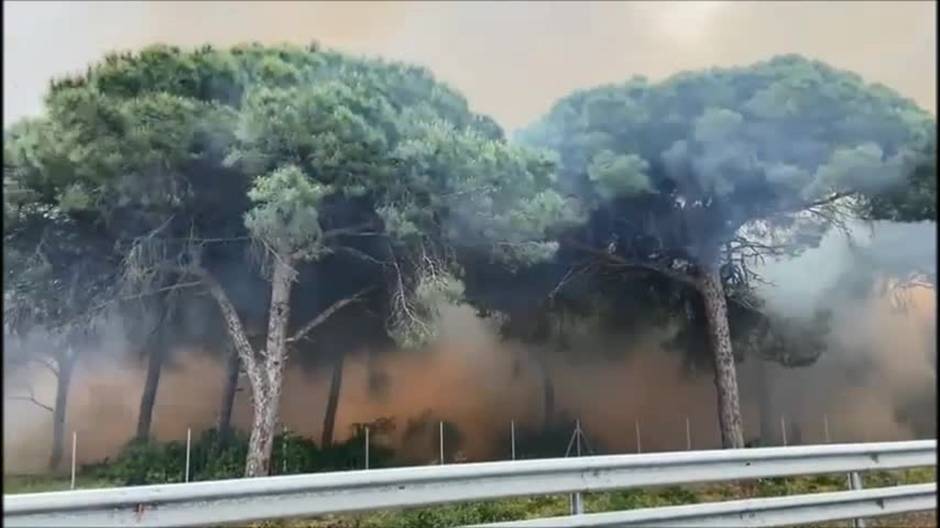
{"points": [[773, 511], [246, 500]]}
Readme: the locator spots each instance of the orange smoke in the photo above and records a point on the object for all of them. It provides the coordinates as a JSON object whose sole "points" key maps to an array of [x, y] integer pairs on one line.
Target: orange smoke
{"points": [[468, 378]]}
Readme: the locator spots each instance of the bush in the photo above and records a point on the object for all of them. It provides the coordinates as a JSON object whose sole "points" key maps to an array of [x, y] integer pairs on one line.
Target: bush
{"points": [[213, 458], [141, 462]]}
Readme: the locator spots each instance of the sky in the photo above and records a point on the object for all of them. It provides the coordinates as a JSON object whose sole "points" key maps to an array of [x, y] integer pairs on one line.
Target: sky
{"points": [[512, 60]]}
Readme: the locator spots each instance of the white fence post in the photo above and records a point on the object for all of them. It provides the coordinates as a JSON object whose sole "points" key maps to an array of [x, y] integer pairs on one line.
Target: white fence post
{"points": [[74, 452], [367, 447], [639, 447], [783, 430], [512, 437], [189, 432]]}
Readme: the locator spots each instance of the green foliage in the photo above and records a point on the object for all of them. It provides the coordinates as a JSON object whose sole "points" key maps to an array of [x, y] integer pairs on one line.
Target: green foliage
{"points": [[914, 201], [637, 498], [615, 176], [726, 147], [284, 144], [490, 194], [285, 214], [213, 457], [332, 131], [142, 462]]}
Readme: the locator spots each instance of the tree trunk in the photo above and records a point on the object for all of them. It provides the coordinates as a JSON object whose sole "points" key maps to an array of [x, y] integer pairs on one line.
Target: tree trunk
{"points": [[726, 382], [548, 399], [233, 365], [266, 388], [63, 380], [329, 419], [261, 442], [149, 396], [765, 406]]}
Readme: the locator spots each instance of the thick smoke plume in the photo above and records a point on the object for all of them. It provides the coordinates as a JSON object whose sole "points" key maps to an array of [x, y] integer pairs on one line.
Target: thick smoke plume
{"points": [[875, 381]]}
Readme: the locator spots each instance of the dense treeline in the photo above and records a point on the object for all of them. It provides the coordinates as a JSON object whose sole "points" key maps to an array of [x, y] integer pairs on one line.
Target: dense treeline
{"points": [[334, 187]]}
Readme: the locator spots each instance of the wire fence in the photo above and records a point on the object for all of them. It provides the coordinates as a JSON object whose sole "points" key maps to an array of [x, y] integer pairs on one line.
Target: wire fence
{"points": [[521, 446]]}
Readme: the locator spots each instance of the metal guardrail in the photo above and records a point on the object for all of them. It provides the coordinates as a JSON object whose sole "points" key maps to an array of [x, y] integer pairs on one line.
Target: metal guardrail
{"points": [[773, 511], [246, 500]]}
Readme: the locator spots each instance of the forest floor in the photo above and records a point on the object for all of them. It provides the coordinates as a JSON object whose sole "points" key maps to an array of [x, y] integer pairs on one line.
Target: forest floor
{"points": [[550, 506]]}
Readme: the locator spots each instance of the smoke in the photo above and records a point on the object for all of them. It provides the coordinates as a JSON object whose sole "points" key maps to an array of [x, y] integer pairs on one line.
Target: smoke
{"points": [[874, 382], [49, 39], [877, 377]]}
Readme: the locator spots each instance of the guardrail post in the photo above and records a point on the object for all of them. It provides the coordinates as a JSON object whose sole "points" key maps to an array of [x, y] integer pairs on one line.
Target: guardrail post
{"points": [[855, 483], [826, 428], [442, 441], [576, 505], [688, 434]]}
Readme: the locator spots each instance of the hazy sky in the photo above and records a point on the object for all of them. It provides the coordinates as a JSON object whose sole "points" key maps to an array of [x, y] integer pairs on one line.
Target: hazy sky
{"points": [[511, 60]]}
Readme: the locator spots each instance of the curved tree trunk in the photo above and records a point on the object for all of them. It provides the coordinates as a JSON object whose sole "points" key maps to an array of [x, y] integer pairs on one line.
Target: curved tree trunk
{"points": [[149, 396], [266, 385], [329, 419], [66, 365], [233, 366], [726, 381], [265, 369]]}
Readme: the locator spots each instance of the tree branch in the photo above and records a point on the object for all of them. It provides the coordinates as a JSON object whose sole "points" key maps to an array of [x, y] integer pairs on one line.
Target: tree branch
{"points": [[361, 254], [233, 323], [31, 399], [828, 200], [326, 314], [619, 261], [45, 363], [572, 272], [355, 230]]}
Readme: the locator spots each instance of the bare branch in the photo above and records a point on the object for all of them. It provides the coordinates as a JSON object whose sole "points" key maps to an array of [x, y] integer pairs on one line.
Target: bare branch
{"points": [[31, 399], [618, 261], [572, 272], [326, 314], [236, 329], [828, 200], [362, 255], [835, 197], [355, 230], [45, 363]]}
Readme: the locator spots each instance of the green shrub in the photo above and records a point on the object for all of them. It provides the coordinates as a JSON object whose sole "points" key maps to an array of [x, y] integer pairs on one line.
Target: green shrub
{"points": [[213, 458]]}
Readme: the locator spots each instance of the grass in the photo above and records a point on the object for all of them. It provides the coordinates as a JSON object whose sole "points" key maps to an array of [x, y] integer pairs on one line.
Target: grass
{"points": [[41, 483], [550, 506]]}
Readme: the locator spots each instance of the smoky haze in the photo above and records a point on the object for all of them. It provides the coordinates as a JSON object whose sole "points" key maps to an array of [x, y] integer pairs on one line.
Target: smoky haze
{"points": [[875, 380], [544, 50]]}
